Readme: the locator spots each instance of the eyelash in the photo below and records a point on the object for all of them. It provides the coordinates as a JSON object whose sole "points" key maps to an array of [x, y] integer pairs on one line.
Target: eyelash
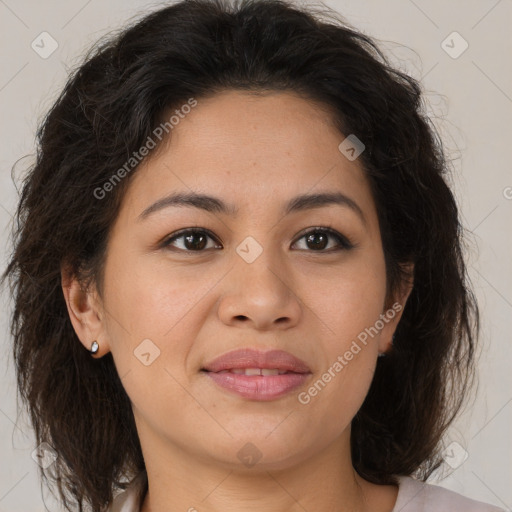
{"points": [[344, 242]]}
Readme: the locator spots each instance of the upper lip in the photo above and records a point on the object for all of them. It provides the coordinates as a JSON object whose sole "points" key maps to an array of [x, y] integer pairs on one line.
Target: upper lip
{"points": [[250, 358]]}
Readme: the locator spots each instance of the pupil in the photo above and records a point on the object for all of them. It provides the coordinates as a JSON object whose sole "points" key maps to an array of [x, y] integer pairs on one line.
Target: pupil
{"points": [[196, 246], [311, 238]]}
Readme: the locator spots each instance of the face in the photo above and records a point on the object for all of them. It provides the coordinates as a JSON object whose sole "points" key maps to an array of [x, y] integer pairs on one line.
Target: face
{"points": [[309, 280]]}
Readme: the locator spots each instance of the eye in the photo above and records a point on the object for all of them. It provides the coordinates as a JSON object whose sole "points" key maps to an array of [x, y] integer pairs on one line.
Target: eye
{"points": [[194, 240], [317, 239]]}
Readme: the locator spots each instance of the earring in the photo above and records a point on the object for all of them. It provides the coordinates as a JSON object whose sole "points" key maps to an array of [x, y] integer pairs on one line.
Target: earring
{"points": [[94, 347], [382, 354]]}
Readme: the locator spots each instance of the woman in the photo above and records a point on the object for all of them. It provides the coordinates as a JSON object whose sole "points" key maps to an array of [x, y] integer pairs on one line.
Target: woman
{"points": [[240, 212]]}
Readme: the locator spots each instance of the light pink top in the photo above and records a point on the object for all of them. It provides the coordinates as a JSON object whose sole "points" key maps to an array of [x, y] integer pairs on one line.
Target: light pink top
{"points": [[413, 496]]}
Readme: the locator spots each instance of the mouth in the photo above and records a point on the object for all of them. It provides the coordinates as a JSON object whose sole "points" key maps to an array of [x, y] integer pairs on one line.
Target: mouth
{"points": [[254, 371], [254, 362], [258, 375]]}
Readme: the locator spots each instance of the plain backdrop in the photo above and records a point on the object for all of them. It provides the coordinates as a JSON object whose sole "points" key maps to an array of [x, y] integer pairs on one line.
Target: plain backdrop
{"points": [[461, 52]]}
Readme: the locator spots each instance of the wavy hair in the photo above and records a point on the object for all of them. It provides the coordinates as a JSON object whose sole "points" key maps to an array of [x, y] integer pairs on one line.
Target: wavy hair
{"points": [[111, 104]]}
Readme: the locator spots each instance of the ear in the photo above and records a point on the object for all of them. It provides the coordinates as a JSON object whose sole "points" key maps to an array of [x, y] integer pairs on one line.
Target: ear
{"points": [[394, 308], [84, 309]]}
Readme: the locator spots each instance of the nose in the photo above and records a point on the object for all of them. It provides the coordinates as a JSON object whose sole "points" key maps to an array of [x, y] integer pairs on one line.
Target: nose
{"points": [[260, 295]]}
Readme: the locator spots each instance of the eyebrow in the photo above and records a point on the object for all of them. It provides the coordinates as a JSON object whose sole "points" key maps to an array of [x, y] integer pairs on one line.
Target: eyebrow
{"points": [[215, 205]]}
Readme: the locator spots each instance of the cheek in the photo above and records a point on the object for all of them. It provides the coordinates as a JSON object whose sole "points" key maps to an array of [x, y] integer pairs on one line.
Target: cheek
{"points": [[350, 298], [349, 307], [350, 353], [151, 327], [149, 297], [149, 324]]}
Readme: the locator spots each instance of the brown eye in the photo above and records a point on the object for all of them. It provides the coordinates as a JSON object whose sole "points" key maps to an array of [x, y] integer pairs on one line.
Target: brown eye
{"points": [[192, 240], [317, 240], [196, 240]]}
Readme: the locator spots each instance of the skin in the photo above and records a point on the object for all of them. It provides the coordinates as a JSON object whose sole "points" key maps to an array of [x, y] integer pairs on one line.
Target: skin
{"points": [[256, 152]]}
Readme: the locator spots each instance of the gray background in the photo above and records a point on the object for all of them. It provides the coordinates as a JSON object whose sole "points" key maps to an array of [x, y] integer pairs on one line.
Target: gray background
{"points": [[470, 98]]}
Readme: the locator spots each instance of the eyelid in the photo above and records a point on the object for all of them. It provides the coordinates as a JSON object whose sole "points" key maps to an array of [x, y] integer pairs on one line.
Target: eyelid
{"points": [[181, 232], [345, 243]]}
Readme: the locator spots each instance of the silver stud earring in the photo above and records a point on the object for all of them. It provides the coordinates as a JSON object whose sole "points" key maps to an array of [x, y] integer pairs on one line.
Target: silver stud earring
{"points": [[94, 347]]}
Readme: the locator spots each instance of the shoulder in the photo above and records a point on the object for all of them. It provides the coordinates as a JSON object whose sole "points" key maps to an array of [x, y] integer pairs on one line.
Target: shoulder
{"points": [[417, 496], [130, 500]]}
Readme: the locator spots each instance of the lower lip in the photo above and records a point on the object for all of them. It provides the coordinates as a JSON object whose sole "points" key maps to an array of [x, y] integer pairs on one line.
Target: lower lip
{"points": [[259, 387]]}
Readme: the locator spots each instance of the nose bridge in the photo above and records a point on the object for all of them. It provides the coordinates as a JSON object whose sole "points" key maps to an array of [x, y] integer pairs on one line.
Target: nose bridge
{"points": [[260, 264], [259, 291]]}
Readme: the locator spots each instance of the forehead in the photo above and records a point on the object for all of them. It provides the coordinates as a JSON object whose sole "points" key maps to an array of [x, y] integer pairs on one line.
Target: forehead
{"points": [[254, 151]]}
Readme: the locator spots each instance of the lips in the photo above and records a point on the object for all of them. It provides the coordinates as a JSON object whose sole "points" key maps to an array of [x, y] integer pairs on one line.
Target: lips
{"points": [[256, 375], [253, 362]]}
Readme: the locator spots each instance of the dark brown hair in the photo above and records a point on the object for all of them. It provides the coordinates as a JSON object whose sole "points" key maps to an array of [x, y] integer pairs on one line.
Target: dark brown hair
{"points": [[110, 106]]}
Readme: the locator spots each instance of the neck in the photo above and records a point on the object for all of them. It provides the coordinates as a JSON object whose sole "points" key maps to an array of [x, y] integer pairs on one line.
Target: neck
{"points": [[325, 481]]}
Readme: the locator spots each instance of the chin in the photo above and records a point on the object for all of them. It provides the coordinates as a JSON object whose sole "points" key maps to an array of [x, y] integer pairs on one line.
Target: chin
{"points": [[262, 451]]}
